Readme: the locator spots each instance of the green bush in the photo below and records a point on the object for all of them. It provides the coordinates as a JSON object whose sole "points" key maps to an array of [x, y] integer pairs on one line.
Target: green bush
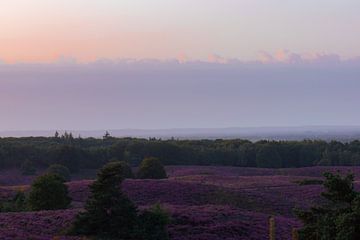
{"points": [[27, 168], [126, 168], [153, 222], [310, 182], [60, 170], [48, 192], [17, 204], [151, 168]]}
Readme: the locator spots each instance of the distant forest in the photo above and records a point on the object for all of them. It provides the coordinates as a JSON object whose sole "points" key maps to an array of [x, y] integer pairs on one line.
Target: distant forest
{"points": [[91, 153]]}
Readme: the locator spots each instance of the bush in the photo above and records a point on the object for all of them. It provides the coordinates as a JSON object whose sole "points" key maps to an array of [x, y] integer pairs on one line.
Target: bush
{"points": [[48, 192], [151, 168], [28, 168], [310, 182], [127, 171], [153, 223], [60, 170], [17, 204], [108, 214]]}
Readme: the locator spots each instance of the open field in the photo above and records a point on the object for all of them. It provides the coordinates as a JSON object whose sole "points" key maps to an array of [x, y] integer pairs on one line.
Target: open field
{"points": [[206, 203]]}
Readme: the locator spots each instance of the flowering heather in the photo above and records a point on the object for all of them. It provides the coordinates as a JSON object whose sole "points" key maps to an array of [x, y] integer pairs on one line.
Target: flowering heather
{"points": [[42, 225], [178, 171], [13, 177], [145, 192], [208, 222], [223, 222], [243, 182], [205, 203]]}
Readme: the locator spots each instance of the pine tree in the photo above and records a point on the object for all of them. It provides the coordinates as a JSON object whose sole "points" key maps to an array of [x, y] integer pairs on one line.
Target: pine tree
{"points": [[339, 217], [108, 214]]}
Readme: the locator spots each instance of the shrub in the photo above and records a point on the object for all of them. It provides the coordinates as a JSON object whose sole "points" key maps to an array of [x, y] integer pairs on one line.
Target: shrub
{"points": [[127, 171], [17, 204], [48, 192], [153, 223], [151, 168], [108, 214], [60, 170], [310, 182], [28, 168]]}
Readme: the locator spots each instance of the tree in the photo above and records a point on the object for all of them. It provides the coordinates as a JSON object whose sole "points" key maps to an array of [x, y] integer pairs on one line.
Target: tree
{"points": [[28, 168], [60, 170], [108, 214], [126, 168], [268, 157], [68, 156], [48, 192], [151, 168], [117, 150], [339, 217], [106, 136]]}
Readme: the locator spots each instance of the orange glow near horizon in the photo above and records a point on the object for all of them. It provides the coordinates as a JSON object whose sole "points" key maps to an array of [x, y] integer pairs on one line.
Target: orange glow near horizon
{"points": [[43, 30], [49, 47]]}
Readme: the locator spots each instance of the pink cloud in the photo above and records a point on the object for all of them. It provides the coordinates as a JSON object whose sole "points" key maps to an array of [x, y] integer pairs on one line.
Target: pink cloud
{"points": [[321, 57], [182, 58], [288, 57], [214, 58], [265, 57]]}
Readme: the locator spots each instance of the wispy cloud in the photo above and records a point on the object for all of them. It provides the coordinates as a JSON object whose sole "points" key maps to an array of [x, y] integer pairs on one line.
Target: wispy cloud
{"points": [[279, 57], [286, 56]]}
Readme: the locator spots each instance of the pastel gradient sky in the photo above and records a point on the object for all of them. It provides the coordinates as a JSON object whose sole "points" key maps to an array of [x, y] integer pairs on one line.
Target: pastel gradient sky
{"points": [[43, 30], [115, 64]]}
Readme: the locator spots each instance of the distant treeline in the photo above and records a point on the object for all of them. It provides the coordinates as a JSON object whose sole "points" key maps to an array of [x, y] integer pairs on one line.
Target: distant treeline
{"points": [[77, 153]]}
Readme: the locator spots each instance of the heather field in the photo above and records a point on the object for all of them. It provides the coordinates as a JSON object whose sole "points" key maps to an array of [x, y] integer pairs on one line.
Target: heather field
{"points": [[205, 203]]}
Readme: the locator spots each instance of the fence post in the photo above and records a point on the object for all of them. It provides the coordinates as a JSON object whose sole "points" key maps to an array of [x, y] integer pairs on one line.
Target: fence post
{"points": [[272, 234]]}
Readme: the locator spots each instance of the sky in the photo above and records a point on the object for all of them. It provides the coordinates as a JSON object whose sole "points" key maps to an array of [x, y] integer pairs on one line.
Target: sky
{"points": [[44, 30], [91, 64]]}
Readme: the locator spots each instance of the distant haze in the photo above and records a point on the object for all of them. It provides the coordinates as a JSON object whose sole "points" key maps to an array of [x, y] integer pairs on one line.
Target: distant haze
{"points": [[326, 133], [153, 94]]}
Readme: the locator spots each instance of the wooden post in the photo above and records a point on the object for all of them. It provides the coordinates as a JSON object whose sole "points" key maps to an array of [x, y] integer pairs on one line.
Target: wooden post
{"points": [[295, 234], [272, 233]]}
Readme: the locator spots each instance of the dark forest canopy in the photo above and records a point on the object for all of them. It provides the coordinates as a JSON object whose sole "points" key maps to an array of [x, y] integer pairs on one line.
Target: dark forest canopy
{"points": [[91, 153]]}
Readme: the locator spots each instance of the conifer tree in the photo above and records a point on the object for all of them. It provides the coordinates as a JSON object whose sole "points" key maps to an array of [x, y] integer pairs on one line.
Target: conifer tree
{"points": [[338, 218], [108, 214]]}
